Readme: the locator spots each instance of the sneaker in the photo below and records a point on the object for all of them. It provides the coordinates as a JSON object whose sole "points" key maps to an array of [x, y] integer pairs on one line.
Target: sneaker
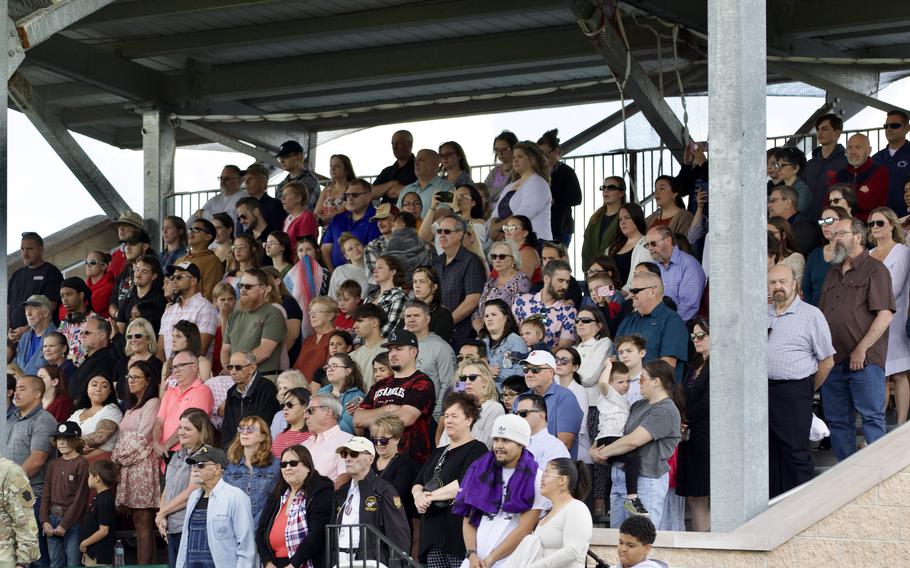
{"points": [[635, 507]]}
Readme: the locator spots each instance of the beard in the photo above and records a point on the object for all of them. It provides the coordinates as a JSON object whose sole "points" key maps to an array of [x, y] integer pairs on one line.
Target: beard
{"points": [[839, 254], [559, 295], [395, 367]]}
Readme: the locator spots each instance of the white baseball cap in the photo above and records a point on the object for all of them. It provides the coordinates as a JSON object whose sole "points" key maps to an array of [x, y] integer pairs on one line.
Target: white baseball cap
{"points": [[540, 358]]}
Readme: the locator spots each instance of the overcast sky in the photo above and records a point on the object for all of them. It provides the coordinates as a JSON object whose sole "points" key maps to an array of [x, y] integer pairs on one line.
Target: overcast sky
{"points": [[36, 173]]}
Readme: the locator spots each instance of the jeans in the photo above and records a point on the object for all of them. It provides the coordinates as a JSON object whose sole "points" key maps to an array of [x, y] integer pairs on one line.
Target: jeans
{"points": [[846, 392], [651, 491], [64, 550], [173, 547]]}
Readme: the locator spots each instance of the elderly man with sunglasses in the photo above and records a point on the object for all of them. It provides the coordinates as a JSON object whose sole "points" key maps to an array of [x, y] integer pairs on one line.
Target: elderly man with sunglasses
{"points": [[323, 414], [251, 395], [369, 500], [544, 446]]}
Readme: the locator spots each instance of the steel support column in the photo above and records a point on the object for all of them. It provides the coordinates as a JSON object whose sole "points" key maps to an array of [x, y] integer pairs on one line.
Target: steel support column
{"points": [[738, 262], [257, 152], [4, 226], [159, 147], [312, 137], [55, 133], [608, 43]]}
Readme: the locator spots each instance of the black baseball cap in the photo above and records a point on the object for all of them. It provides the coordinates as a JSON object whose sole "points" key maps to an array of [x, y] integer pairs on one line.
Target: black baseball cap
{"points": [[208, 454], [67, 430], [400, 337], [185, 266], [288, 148]]}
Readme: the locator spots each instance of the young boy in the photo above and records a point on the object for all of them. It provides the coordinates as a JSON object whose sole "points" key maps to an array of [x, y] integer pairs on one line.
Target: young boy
{"points": [[614, 413], [98, 547], [354, 269], [636, 537], [65, 496], [532, 331], [349, 298]]}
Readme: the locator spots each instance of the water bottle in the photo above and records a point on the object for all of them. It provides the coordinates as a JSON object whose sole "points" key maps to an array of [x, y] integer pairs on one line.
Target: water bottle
{"points": [[507, 360], [119, 555]]}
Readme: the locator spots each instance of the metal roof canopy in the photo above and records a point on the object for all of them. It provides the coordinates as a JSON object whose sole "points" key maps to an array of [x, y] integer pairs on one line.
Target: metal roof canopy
{"points": [[313, 65]]}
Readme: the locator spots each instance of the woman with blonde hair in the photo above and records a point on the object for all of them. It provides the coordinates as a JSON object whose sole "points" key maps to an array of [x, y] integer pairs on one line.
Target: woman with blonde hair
{"points": [[507, 282], [331, 198], [141, 345], [476, 379], [528, 195], [886, 234], [251, 465]]}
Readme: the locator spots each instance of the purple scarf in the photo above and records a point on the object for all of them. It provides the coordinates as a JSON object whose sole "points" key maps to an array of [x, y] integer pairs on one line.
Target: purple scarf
{"points": [[481, 491]]}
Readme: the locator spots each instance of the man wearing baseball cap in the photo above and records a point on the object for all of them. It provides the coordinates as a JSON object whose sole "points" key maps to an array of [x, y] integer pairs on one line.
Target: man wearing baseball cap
{"points": [[370, 500], [187, 304], [127, 225], [564, 416], [384, 217], [292, 160], [408, 394], [499, 496], [218, 530], [38, 315], [134, 247], [200, 235]]}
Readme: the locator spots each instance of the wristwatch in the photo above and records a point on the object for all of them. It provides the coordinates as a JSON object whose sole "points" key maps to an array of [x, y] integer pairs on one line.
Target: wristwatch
{"points": [[469, 552]]}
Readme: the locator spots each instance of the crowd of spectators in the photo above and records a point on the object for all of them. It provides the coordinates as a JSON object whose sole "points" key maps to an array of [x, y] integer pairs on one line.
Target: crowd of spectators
{"points": [[415, 354]]}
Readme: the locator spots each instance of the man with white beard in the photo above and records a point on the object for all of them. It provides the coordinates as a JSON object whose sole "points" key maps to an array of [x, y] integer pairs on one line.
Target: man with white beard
{"points": [[858, 304]]}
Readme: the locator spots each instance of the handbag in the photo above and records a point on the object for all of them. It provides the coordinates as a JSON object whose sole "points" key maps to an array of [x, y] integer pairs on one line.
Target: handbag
{"points": [[436, 482]]}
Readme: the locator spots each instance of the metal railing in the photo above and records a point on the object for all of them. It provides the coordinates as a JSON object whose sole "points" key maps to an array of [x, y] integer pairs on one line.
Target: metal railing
{"points": [[639, 167], [380, 552]]}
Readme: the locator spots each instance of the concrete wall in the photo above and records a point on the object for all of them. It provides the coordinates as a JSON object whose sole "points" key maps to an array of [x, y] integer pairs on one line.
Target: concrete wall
{"points": [[66, 248], [856, 515]]}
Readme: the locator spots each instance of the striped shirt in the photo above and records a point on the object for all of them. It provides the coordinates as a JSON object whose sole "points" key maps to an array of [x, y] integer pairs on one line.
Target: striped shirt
{"points": [[797, 340], [684, 282]]}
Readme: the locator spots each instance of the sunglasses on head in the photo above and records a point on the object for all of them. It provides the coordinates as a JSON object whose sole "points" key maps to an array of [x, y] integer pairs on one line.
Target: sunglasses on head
{"points": [[348, 453], [382, 441], [471, 378], [290, 463]]}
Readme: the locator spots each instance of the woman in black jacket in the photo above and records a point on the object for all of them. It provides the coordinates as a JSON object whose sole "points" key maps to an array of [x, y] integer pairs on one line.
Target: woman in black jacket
{"points": [[300, 508], [692, 479]]}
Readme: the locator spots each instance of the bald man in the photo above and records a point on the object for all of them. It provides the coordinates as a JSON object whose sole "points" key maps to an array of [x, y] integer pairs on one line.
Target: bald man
{"points": [[868, 178], [426, 168]]}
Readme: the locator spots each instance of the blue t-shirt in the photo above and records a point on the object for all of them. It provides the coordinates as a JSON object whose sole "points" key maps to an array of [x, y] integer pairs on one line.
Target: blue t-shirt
{"points": [[364, 229], [665, 333]]}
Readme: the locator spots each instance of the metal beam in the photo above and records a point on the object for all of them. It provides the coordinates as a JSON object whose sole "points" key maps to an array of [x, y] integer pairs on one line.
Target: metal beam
{"points": [[638, 86], [738, 262], [401, 19], [819, 18], [159, 147], [4, 214], [132, 11], [598, 128], [66, 147], [802, 75], [808, 126], [259, 153]]}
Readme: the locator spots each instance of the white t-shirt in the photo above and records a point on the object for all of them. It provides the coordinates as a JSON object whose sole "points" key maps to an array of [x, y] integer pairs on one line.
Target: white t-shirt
{"points": [[352, 504], [634, 393], [109, 412], [492, 532]]}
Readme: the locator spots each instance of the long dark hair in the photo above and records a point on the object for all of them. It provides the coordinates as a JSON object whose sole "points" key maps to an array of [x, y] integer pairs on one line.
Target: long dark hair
{"points": [[318, 255], [576, 360], [698, 360], [53, 371], [86, 402], [151, 390], [304, 456], [531, 239], [355, 379], [193, 337], [511, 324], [287, 253], [433, 277], [577, 473], [674, 187], [477, 208], [638, 217]]}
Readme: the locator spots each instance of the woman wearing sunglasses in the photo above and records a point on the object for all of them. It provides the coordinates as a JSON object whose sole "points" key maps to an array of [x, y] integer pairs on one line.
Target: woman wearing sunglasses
{"points": [[293, 414], [519, 230], [396, 468], [692, 480], [507, 280], [819, 260], [141, 344], [99, 279], [886, 235], [441, 542], [251, 466], [478, 382], [291, 531]]}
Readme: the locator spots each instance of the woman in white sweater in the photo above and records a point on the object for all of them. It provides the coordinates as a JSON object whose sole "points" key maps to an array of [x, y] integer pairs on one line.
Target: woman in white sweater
{"points": [[562, 537], [529, 195]]}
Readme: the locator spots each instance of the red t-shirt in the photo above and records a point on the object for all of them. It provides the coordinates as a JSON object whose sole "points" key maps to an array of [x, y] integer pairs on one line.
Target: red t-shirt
{"points": [[416, 390], [344, 322], [276, 535]]}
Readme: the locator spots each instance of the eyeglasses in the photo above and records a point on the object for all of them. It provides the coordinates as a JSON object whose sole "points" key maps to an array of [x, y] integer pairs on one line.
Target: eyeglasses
{"points": [[611, 187], [312, 410], [585, 320], [534, 370], [635, 291], [236, 367], [827, 221], [509, 228], [564, 360], [179, 277], [135, 336], [333, 367], [345, 196], [345, 454], [197, 230], [500, 256], [877, 223], [248, 287], [653, 244], [136, 377], [382, 441], [202, 465], [177, 366], [442, 231], [894, 125], [509, 393], [92, 262], [840, 234], [698, 336], [524, 413], [471, 378], [464, 197], [290, 463], [780, 165], [291, 404], [246, 429]]}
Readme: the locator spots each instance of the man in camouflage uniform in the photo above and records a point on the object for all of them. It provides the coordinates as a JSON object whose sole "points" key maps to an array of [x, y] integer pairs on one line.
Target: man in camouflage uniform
{"points": [[18, 529]]}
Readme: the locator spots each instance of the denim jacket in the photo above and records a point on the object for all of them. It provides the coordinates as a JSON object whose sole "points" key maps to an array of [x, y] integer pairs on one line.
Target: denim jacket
{"points": [[258, 484], [346, 422], [229, 524], [517, 349]]}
